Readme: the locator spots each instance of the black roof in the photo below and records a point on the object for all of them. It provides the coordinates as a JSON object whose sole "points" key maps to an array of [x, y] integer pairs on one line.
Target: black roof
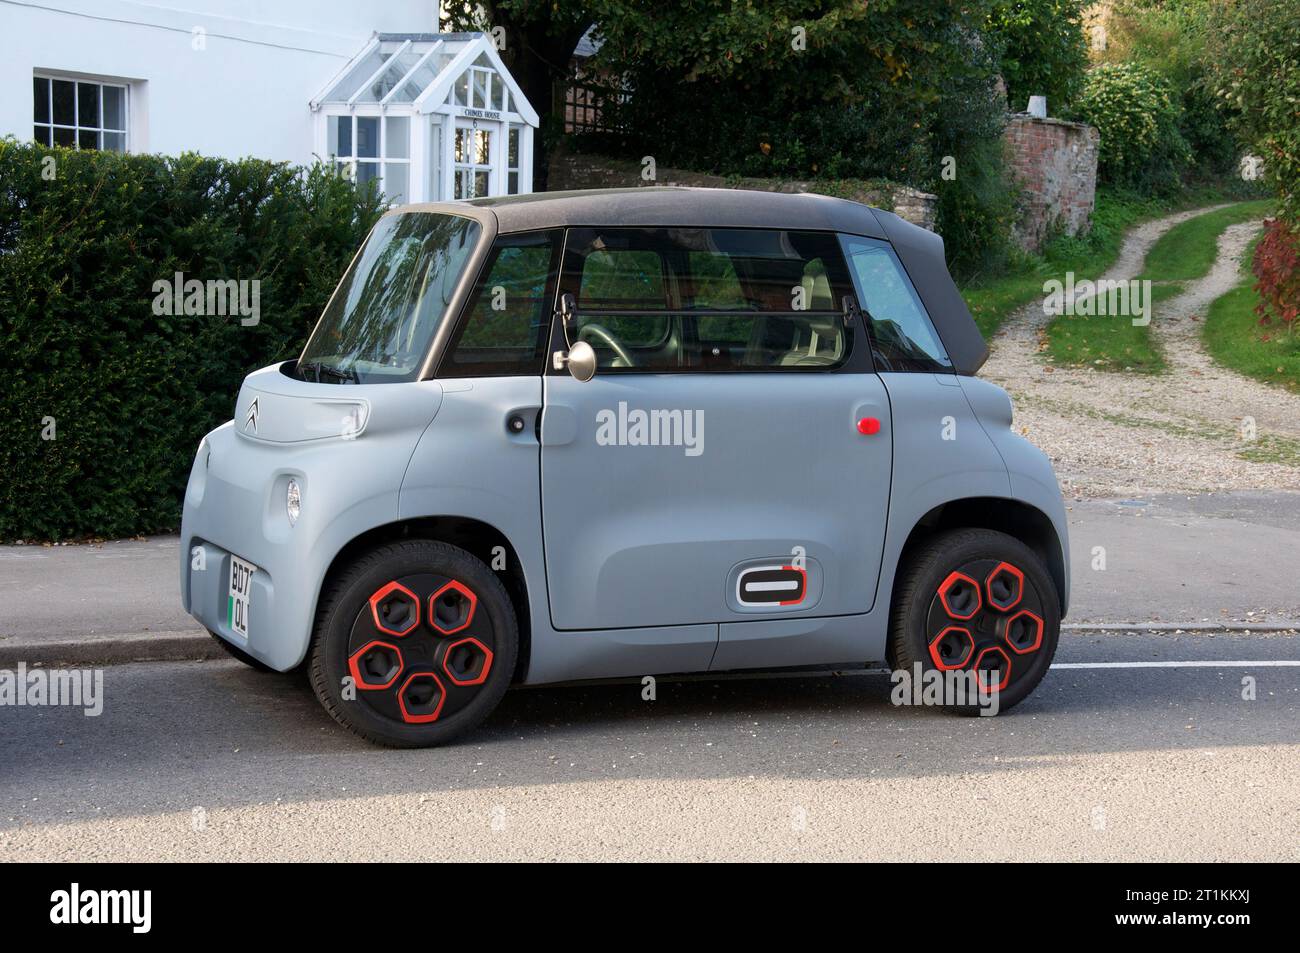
{"points": [[681, 208]]}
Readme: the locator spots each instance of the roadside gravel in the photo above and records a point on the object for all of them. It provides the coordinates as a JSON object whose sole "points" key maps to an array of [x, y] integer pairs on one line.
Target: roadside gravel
{"points": [[1186, 430]]}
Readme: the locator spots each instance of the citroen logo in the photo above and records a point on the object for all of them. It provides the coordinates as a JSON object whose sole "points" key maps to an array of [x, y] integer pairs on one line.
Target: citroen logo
{"points": [[250, 419]]}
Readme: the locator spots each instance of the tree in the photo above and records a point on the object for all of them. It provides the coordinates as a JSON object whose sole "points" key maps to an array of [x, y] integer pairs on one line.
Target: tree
{"points": [[1045, 52], [1254, 57]]}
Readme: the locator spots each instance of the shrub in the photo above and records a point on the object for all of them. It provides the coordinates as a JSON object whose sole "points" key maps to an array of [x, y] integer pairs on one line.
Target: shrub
{"points": [[1171, 39], [1276, 266], [131, 392], [1045, 51], [1135, 112]]}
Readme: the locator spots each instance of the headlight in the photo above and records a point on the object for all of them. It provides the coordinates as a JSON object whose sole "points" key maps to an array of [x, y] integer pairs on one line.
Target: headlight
{"points": [[293, 501]]}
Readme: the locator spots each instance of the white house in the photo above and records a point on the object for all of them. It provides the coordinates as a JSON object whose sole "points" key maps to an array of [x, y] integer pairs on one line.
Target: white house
{"points": [[371, 87]]}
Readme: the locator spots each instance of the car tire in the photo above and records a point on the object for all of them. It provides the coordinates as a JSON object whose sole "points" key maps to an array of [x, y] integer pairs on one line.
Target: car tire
{"points": [[237, 653], [957, 608], [414, 644]]}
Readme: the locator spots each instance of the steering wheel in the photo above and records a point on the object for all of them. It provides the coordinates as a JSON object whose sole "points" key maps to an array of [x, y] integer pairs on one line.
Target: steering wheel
{"points": [[605, 337]]}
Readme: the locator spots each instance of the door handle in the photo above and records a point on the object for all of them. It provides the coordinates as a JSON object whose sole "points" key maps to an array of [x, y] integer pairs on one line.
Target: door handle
{"points": [[523, 424], [869, 426]]}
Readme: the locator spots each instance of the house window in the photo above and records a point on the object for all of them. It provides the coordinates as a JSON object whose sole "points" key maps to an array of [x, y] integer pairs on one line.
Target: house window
{"points": [[374, 149], [512, 161], [79, 114], [472, 155], [481, 87]]}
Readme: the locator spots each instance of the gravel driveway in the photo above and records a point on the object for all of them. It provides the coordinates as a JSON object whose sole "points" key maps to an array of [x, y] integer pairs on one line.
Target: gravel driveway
{"points": [[1185, 430]]}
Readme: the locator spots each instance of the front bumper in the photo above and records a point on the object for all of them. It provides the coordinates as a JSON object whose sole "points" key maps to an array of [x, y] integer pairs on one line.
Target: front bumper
{"points": [[234, 504]]}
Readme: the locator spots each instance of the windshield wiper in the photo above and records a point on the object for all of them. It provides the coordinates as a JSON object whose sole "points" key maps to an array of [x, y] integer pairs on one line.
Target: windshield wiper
{"points": [[320, 367]]}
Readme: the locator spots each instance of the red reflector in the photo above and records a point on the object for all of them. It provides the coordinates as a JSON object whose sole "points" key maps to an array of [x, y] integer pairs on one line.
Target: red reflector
{"points": [[868, 426]]}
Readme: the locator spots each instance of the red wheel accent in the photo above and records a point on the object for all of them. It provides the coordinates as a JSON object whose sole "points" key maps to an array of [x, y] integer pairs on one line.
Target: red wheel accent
{"points": [[1018, 587], [1006, 672], [464, 614], [477, 673], [955, 580], [1024, 637], [434, 705], [952, 632], [358, 677], [405, 595]]}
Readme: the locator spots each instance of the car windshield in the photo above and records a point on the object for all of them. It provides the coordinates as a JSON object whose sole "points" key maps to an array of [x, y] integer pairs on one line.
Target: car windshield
{"points": [[377, 326]]}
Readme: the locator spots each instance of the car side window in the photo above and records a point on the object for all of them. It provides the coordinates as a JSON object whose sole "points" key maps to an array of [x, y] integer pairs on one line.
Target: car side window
{"points": [[626, 279], [506, 323], [709, 300], [902, 337]]}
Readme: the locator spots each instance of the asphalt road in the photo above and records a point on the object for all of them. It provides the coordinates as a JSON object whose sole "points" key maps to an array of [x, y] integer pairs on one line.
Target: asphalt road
{"points": [[210, 760]]}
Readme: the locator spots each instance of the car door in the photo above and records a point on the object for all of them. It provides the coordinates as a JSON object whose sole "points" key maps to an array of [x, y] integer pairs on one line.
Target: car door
{"points": [[731, 459]]}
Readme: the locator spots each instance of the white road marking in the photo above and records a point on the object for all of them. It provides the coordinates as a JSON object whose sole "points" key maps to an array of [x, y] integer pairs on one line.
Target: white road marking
{"points": [[1200, 663]]}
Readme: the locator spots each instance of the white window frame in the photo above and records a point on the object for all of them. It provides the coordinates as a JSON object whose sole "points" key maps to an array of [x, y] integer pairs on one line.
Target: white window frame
{"points": [[493, 165], [77, 128], [350, 163]]}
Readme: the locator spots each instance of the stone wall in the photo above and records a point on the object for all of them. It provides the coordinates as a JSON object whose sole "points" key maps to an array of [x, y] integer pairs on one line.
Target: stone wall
{"points": [[1055, 163], [574, 170]]}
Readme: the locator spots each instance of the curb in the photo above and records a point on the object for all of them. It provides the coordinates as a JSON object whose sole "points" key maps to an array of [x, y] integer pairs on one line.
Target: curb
{"points": [[111, 649], [191, 646]]}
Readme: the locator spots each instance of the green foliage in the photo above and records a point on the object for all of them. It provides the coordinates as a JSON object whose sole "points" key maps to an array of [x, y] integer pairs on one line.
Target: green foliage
{"points": [[1170, 38], [130, 391], [811, 90], [1255, 66], [1135, 112], [1045, 51]]}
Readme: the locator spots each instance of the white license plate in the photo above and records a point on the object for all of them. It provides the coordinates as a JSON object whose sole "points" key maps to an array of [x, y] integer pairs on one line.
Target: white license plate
{"points": [[241, 591]]}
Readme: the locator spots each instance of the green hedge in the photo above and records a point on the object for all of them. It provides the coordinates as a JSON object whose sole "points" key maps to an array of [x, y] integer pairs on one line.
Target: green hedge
{"points": [[83, 238]]}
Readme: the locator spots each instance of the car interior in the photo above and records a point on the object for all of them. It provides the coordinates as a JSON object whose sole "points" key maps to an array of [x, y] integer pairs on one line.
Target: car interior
{"points": [[714, 300]]}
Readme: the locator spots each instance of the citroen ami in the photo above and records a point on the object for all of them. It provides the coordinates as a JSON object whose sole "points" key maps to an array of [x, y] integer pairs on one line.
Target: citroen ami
{"points": [[624, 433]]}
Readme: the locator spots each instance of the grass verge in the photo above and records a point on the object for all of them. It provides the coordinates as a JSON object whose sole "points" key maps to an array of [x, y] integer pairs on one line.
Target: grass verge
{"points": [[991, 298], [1235, 338], [1184, 253], [1108, 342], [1187, 251]]}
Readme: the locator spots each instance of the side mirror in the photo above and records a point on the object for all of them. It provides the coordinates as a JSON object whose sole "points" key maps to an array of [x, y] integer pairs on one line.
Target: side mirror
{"points": [[581, 361], [581, 357]]}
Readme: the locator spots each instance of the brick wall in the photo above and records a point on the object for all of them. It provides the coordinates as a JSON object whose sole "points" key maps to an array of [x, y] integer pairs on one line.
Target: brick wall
{"points": [[573, 170], [1055, 163]]}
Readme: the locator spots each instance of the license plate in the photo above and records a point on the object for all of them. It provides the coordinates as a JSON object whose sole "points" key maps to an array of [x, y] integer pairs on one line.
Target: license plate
{"points": [[241, 591]]}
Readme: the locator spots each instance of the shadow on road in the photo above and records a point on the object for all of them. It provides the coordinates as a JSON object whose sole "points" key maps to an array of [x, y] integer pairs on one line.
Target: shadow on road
{"points": [[179, 735]]}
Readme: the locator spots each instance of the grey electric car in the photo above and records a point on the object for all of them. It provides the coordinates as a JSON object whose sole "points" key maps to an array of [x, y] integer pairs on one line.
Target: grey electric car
{"points": [[623, 433]]}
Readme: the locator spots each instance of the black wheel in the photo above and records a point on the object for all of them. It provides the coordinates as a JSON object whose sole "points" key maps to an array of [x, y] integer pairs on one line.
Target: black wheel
{"points": [[415, 643], [238, 653], [976, 600]]}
